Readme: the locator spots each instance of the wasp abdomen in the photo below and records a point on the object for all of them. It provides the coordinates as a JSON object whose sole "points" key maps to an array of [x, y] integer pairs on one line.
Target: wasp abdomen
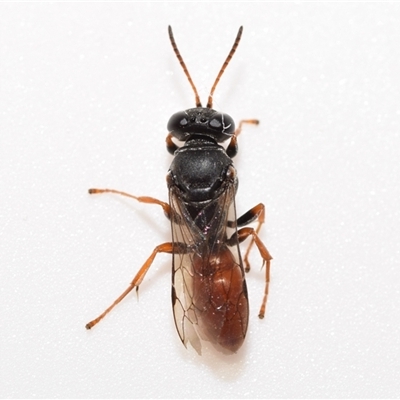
{"points": [[220, 299]]}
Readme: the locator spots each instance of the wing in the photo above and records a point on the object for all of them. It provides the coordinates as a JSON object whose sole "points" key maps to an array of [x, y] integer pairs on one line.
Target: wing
{"points": [[199, 233]]}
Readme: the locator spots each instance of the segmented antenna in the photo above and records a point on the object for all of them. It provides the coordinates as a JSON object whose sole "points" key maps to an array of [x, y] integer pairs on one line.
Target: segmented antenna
{"points": [[222, 70], [225, 64], [185, 70]]}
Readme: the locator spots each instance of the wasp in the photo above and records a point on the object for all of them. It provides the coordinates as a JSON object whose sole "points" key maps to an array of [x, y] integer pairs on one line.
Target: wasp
{"points": [[209, 292]]}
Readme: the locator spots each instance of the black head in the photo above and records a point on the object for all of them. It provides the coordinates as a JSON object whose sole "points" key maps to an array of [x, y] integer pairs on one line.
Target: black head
{"points": [[201, 121]]}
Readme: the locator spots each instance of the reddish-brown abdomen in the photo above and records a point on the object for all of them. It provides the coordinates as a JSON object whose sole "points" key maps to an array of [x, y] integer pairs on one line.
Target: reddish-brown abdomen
{"points": [[220, 299]]}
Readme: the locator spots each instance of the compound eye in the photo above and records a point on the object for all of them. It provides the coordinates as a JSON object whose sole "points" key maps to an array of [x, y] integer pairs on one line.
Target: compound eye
{"points": [[222, 123], [178, 121]]}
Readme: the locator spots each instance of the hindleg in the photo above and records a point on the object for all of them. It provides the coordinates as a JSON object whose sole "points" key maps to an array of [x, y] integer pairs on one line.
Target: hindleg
{"points": [[242, 235], [137, 280], [256, 213]]}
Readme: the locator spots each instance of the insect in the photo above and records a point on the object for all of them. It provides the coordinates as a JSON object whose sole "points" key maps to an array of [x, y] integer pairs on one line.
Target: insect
{"points": [[209, 293]]}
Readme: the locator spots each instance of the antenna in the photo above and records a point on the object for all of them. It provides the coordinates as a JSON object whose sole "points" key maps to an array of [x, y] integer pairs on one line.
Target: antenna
{"points": [[185, 70], [224, 65], [222, 70]]}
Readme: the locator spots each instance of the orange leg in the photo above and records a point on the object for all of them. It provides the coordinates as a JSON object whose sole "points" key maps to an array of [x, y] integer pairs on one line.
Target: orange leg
{"points": [[256, 213], [245, 121], [137, 280], [232, 148], [163, 248], [171, 146], [142, 199], [243, 234]]}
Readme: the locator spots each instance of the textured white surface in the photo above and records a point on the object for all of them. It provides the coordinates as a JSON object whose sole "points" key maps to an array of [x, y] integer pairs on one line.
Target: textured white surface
{"points": [[86, 92]]}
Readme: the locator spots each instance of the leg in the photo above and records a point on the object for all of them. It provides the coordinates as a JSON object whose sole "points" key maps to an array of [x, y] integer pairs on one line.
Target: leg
{"points": [[257, 212], [137, 280], [243, 234], [171, 146], [232, 148], [143, 199]]}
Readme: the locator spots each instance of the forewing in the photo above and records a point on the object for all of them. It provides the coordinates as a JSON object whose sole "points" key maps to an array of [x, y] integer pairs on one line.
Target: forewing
{"points": [[194, 242]]}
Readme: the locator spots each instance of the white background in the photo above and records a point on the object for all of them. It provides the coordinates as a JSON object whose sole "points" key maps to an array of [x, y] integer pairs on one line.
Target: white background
{"points": [[86, 91]]}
